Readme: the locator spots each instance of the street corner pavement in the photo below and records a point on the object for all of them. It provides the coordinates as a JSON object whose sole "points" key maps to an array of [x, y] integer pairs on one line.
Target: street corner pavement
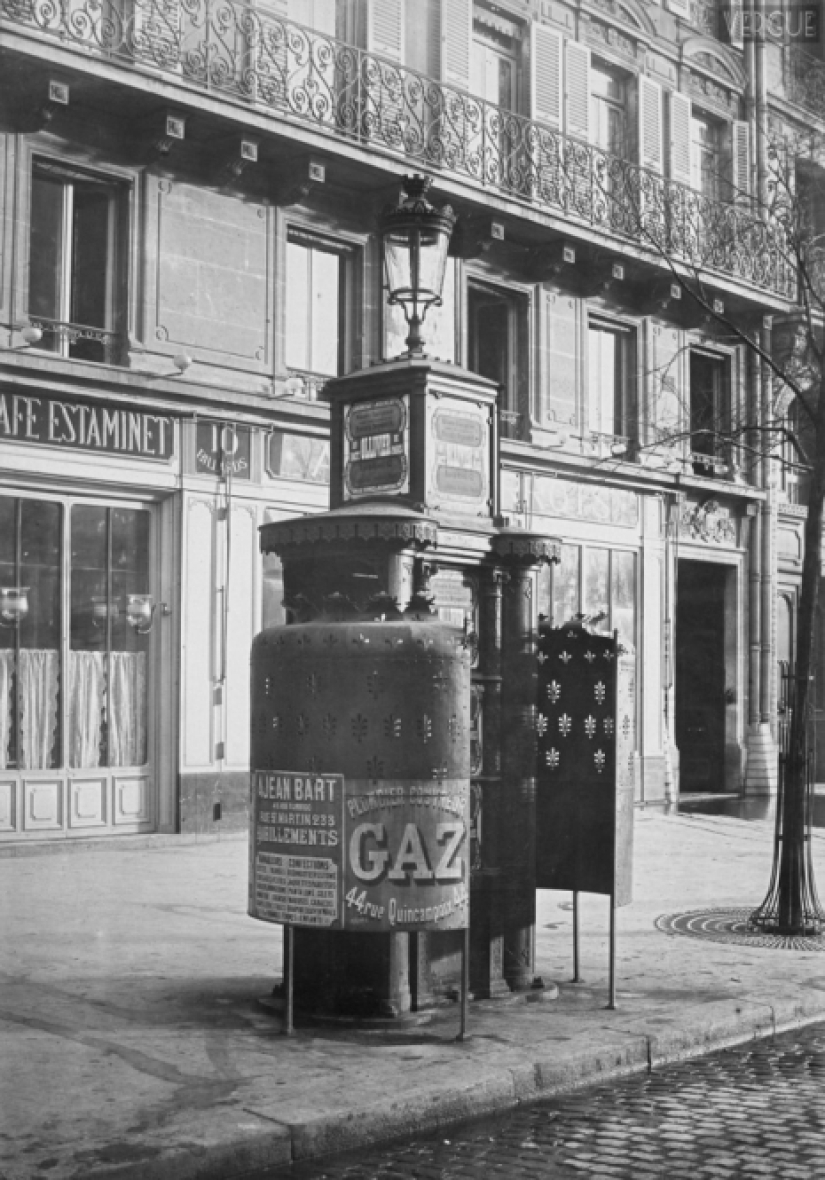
{"points": [[133, 1042]]}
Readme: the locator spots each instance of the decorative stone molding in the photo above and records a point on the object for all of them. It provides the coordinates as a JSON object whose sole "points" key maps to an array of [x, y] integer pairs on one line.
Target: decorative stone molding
{"points": [[708, 522]]}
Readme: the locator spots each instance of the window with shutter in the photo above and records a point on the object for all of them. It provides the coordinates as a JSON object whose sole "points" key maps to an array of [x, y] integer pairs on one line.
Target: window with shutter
{"points": [[679, 110], [456, 38], [577, 90], [385, 28], [545, 75], [650, 124], [559, 402], [741, 161]]}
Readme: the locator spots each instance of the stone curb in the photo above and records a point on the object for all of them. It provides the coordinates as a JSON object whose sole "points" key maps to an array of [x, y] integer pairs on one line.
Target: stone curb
{"points": [[231, 1142]]}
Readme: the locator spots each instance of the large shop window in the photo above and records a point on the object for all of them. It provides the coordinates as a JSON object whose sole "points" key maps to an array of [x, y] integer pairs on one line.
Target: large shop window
{"points": [[73, 687], [318, 276], [74, 285], [596, 582]]}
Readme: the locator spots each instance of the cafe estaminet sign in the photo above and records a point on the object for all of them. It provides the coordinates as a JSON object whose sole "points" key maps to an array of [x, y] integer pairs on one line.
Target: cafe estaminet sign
{"points": [[103, 427], [358, 855]]}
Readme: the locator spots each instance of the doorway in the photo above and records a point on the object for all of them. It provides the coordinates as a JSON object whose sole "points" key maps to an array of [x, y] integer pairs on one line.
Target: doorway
{"points": [[701, 702]]}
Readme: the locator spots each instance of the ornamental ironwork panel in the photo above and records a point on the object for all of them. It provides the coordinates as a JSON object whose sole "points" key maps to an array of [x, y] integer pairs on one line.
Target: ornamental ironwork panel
{"points": [[585, 721], [247, 54]]}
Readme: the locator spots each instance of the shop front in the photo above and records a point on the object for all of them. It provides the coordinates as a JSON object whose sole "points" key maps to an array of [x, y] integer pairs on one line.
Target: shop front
{"points": [[85, 665]]}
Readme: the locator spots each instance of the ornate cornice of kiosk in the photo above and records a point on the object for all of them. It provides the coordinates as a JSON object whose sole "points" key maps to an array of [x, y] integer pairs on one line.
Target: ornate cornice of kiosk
{"points": [[518, 547], [388, 524]]}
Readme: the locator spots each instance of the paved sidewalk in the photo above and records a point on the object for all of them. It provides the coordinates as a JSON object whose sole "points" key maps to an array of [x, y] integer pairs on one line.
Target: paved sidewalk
{"points": [[132, 1043]]}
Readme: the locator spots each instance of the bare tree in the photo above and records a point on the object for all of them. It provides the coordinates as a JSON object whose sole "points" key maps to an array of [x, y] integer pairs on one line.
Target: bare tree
{"points": [[692, 237]]}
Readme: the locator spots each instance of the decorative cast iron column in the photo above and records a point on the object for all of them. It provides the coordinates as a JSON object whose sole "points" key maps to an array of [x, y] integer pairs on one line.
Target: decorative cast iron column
{"points": [[520, 553]]}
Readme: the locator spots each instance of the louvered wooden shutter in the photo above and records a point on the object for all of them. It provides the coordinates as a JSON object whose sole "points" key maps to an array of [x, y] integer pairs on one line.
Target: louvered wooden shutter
{"points": [[385, 28], [650, 124], [545, 75], [679, 108], [456, 39], [734, 19], [741, 161], [559, 392], [577, 90]]}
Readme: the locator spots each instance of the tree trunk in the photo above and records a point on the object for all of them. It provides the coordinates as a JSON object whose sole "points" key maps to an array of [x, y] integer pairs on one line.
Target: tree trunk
{"points": [[795, 889]]}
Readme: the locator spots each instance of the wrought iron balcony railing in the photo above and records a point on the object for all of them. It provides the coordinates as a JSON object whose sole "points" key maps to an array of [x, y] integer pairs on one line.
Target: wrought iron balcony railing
{"points": [[78, 341], [805, 80], [248, 54]]}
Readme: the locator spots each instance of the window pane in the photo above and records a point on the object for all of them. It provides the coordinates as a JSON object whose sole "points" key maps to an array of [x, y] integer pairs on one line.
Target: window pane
{"points": [[90, 256], [127, 729], [566, 585], [297, 306], [623, 595], [602, 379], [90, 607], [326, 303], [46, 249], [596, 587], [39, 657]]}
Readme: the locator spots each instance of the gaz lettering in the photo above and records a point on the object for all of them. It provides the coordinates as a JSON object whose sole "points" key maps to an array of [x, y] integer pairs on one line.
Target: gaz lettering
{"points": [[371, 859]]}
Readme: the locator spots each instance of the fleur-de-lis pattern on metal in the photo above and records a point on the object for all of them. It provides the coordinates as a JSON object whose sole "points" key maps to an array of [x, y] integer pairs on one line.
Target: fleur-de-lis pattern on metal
{"points": [[375, 685], [565, 657], [608, 725], [360, 727], [361, 639], [599, 758], [599, 692], [541, 725], [375, 768], [329, 724], [626, 726], [424, 727], [590, 656], [552, 757], [330, 640], [392, 726], [590, 726], [439, 773], [608, 655], [542, 658], [269, 684], [276, 723], [565, 724], [302, 724], [313, 684], [453, 728], [553, 691]]}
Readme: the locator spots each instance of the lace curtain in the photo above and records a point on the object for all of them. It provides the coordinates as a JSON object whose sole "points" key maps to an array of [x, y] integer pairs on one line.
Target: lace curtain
{"points": [[127, 713], [38, 680], [6, 673]]}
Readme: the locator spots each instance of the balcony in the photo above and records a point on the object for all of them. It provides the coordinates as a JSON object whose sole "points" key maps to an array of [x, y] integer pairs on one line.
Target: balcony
{"points": [[805, 80], [250, 56]]}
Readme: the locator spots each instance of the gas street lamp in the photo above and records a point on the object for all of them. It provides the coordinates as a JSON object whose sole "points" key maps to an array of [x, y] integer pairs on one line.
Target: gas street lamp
{"points": [[416, 237]]}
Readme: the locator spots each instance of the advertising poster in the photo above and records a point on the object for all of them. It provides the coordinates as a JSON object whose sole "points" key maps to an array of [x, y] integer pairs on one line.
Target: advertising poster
{"points": [[357, 855]]}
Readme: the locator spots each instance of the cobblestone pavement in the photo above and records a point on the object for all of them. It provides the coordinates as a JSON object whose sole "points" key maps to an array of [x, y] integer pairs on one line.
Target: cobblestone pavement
{"points": [[754, 1111]]}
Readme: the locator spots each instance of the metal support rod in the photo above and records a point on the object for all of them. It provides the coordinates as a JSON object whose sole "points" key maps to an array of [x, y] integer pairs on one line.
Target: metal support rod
{"points": [[289, 972], [612, 1001], [576, 976], [465, 981]]}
